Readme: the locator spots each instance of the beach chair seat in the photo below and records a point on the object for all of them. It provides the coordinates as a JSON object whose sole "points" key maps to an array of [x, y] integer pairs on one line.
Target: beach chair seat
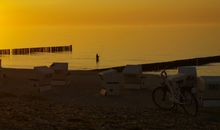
{"points": [[110, 82], [132, 77], [61, 75], [211, 93], [42, 78]]}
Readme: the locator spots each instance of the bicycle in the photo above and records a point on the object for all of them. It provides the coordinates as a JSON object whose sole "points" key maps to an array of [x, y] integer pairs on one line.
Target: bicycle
{"points": [[174, 92]]}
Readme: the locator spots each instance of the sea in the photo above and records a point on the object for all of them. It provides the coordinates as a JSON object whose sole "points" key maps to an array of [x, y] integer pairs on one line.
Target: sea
{"points": [[116, 45]]}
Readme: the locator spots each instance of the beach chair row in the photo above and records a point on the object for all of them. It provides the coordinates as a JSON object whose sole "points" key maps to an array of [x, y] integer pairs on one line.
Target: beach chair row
{"points": [[112, 81], [207, 88], [46, 77]]}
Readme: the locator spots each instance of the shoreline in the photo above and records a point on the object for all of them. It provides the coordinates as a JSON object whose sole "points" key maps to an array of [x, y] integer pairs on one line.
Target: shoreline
{"points": [[157, 66]]}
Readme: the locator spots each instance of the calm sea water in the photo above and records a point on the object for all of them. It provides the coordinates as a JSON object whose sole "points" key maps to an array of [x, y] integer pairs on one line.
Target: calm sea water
{"points": [[116, 45]]}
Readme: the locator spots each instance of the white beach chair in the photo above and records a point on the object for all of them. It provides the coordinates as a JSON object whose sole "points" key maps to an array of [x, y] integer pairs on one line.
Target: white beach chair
{"points": [[110, 82], [42, 78], [190, 74], [211, 94], [61, 75], [132, 77], [191, 80]]}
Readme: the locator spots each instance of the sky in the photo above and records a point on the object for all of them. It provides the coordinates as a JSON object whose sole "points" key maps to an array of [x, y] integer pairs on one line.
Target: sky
{"points": [[26, 23], [107, 12]]}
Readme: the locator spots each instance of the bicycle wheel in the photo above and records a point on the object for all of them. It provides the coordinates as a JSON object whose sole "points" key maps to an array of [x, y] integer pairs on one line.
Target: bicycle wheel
{"points": [[190, 103], [162, 98]]}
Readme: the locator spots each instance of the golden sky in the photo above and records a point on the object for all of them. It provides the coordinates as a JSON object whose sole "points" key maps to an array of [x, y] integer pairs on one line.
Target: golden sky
{"points": [[108, 12], [26, 23]]}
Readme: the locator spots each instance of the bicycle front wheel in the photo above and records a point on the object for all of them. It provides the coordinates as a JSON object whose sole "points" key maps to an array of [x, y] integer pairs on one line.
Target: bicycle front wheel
{"points": [[190, 103], [162, 98]]}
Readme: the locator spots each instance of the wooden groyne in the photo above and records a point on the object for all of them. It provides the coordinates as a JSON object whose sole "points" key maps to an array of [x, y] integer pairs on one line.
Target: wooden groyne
{"points": [[20, 51], [27, 51], [5, 52], [174, 64]]}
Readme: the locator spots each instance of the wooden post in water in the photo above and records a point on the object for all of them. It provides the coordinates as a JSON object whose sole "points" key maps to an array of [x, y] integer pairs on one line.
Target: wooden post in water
{"points": [[5, 52], [70, 48]]}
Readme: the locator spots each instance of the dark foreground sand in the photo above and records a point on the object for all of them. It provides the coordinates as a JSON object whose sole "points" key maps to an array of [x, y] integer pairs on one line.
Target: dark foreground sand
{"points": [[81, 107]]}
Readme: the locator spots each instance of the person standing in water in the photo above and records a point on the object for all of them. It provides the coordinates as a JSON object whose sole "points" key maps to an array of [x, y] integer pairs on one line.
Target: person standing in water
{"points": [[97, 58]]}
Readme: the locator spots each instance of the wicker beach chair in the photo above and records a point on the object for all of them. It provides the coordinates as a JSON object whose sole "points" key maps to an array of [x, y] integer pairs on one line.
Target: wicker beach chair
{"points": [[211, 93], [110, 83], [132, 77], [190, 74], [61, 75], [42, 78]]}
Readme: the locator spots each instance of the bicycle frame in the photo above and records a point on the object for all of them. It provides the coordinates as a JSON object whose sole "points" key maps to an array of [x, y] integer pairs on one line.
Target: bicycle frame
{"points": [[174, 85]]}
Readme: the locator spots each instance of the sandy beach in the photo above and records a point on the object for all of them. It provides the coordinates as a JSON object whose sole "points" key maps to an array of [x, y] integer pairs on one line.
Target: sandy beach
{"points": [[80, 106]]}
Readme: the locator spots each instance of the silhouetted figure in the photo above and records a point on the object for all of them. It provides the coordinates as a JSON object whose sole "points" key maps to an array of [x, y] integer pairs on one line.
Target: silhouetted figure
{"points": [[97, 58]]}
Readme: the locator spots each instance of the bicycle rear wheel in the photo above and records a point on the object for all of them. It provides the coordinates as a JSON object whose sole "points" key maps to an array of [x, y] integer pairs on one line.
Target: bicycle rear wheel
{"points": [[190, 103], [162, 98]]}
